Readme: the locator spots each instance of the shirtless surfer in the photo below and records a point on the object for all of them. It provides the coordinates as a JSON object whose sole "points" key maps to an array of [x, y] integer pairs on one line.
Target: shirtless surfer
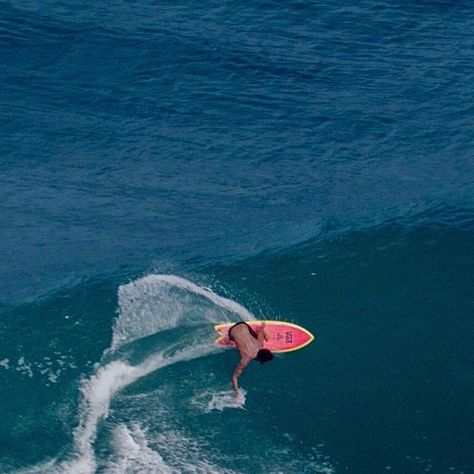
{"points": [[250, 347]]}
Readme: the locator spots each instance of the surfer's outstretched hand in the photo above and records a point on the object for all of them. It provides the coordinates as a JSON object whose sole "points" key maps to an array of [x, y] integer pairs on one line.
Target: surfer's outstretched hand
{"points": [[239, 398]]}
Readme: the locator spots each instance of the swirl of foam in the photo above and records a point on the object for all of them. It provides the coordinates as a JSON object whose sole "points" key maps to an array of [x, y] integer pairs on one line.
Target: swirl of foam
{"points": [[158, 302]]}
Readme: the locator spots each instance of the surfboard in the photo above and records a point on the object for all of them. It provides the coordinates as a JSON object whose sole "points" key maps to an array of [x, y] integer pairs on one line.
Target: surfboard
{"points": [[283, 336]]}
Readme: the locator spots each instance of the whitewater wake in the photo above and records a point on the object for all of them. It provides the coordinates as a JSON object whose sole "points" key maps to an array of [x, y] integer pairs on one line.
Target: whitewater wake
{"points": [[163, 320], [211, 400], [158, 302], [147, 306]]}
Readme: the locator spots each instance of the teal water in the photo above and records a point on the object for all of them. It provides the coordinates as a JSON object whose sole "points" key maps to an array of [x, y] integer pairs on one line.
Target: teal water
{"points": [[167, 166], [125, 378]]}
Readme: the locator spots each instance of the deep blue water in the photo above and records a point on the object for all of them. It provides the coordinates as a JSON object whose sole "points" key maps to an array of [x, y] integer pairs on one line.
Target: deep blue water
{"points": [[168, 166]]}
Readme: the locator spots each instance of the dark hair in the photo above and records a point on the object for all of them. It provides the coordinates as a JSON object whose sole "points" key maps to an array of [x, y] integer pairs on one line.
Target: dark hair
{"points": [[264, 355]]}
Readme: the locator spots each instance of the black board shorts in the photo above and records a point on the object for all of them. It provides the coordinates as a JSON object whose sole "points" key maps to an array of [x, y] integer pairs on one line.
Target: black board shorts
{"points": [[251, 331]]}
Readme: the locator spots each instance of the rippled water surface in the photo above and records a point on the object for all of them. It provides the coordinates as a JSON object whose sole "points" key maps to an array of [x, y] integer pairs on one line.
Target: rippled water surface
{"points": [[166, 166]]}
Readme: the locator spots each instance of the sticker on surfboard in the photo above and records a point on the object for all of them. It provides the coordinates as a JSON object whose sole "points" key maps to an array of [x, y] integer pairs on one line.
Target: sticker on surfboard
{"points": [[283, 336]]}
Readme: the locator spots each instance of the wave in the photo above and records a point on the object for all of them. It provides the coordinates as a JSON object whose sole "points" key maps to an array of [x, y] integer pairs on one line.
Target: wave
{"points": [[147, 306], [436, 220], [129, 423]]}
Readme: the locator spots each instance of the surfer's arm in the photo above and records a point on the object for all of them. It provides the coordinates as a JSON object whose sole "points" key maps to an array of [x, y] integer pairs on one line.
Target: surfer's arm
{"points": [[262, 333], [237, 372]]}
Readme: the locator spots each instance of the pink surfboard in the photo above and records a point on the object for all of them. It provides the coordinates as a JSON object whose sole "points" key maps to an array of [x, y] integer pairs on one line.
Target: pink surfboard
{"points": [[283, 337]]}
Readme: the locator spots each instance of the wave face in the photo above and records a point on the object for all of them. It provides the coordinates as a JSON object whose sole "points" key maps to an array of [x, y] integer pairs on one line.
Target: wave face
{"points": [[135, 384], [154, 401]]}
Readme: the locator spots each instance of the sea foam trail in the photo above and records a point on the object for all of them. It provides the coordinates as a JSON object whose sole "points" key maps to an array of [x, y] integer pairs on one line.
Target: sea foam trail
{"points": [[210, 400], [146, 306], [98, 391], [158, 302], [136, 453]]}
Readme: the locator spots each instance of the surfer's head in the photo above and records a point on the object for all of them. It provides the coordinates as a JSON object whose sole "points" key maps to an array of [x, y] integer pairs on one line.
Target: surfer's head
{"points": [[264, 355]]}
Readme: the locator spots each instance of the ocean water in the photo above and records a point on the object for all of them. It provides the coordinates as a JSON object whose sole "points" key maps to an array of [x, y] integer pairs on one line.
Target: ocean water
{"points": [[169, 165]]}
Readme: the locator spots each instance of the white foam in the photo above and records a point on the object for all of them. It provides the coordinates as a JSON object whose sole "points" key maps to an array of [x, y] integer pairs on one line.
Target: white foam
{"points": [[99, 390], [150, 305], [146, 306], [208, 401], [24, 367], [134, 455], [137, 452]]}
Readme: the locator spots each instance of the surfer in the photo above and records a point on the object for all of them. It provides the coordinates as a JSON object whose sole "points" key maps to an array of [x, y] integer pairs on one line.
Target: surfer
{"points": [[250, 347]]}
